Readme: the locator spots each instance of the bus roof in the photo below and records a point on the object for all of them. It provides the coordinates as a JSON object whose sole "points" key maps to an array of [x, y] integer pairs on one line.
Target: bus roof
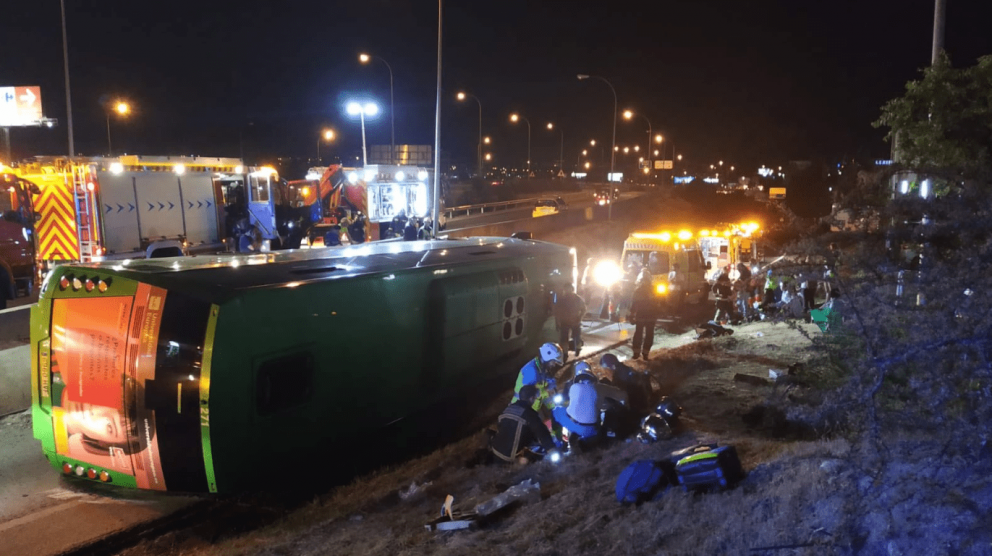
{"points": [[220, 276]]}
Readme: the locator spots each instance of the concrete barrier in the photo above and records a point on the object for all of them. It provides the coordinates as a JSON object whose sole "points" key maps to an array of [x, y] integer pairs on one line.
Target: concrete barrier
{"points": [[15, 379]]}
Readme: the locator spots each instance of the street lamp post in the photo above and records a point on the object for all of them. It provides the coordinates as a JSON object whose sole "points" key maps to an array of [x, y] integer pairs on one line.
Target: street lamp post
{"points": [[436, 202], [123, 109], [366, 58], [326, 135], [369, 109], [514, 118], [613, 151], [561, 151], [462, 96], [629, 115], [68, 94]]}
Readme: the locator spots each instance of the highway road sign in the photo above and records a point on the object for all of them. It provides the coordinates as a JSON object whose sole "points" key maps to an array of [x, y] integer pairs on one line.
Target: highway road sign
{"points": [[662, 164], [20, 106]]}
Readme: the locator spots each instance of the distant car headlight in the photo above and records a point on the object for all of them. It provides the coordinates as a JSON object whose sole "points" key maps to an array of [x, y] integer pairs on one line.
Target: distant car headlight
{"points": [[606, 273]]}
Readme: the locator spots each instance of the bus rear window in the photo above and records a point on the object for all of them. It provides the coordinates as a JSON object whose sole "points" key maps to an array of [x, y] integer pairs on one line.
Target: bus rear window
{"points": [[284, 382]]}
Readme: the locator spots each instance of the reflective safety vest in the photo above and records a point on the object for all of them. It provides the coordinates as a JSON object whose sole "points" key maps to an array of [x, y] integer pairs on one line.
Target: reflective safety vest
{"points": [[531, 373]]}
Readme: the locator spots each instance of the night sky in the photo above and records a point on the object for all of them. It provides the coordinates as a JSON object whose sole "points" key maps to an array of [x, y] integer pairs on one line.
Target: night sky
{"points": [[748, 82]]}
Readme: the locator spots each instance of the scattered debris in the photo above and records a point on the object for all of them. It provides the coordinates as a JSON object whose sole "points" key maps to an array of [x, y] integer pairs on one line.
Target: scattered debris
{"points": [[451, 519], [773, 374], [750, 379], [413, 490], [526, 491]]}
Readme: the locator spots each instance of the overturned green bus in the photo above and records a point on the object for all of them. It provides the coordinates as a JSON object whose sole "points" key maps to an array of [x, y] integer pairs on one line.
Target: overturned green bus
{"points": [[193, 374]]}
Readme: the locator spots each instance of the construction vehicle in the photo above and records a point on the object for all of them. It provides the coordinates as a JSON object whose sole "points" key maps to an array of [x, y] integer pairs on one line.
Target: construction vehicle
{"points": [[97, 208], [17, 218], [382, 195]]}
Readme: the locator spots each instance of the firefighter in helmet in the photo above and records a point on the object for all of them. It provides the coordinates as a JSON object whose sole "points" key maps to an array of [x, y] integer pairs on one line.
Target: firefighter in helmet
{"points": [[540, 372]]}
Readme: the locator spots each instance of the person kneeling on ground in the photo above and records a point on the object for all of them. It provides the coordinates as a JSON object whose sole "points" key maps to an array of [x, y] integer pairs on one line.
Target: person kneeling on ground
{"points": [[519, 428], [637, 384], [581, 417]]}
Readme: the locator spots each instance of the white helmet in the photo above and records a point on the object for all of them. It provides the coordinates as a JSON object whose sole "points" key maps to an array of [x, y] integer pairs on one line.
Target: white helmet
{"points": [[551, 353], [583, 372]]}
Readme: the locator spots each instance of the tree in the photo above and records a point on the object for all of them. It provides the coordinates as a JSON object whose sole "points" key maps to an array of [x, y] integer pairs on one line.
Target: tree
{"points": [[944, 123]]}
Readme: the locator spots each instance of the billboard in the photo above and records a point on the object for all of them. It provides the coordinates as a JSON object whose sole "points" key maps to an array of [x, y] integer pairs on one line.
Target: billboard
{"points": [[20, 106], [409, 155]]}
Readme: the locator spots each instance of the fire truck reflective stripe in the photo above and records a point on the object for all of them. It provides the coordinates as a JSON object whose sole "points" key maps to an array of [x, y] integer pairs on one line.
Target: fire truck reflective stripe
{"points": [[57, 228]]}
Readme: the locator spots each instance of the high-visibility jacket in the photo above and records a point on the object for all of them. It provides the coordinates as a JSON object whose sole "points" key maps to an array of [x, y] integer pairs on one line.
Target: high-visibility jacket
{"points": [[532, 373]]}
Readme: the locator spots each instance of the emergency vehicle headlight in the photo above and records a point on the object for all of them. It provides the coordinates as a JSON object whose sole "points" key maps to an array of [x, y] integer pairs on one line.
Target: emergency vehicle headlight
{"points": [[421, 175], [685, 235], [606, 273], [369, 175], [662, 289], [116, 168], [179, 169], [305, 191], [239, 169], [400, 176], [353, 178]]}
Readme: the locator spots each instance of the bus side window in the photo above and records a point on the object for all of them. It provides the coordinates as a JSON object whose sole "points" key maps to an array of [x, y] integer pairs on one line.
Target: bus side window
{"points": [[284, 382]]}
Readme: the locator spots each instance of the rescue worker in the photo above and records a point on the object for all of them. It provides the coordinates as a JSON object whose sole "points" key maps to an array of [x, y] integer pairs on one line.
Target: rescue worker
{"points": [[410, 231], [644, 314], [637, 384], [569, 310], [539, 372], [333, 236], [724, 299], [581, 417], [519, 427]]}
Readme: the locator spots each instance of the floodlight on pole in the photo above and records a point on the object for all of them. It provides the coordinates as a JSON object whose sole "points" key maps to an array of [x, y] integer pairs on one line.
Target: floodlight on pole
{"points": [[561, 152], [327, 135], [122, 109], [369, 109]]}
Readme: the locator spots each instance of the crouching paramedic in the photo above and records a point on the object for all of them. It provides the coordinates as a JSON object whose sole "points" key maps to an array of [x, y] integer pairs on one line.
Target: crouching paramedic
{"points": [[539, 372], [581, 417], [520, 427]]}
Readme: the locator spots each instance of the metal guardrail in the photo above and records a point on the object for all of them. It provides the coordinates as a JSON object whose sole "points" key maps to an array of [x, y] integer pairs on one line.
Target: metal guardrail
{"points": [[483, 208]]}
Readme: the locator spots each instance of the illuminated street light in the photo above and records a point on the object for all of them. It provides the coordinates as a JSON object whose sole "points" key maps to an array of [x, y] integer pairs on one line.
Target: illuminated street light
{"points": [[626, 150], [721, 163], [122, 109], [561, 152], [365, 59], [327, 135], [369, 109], [515, 118], [613, 157], [658, 138], [656, 152], [489, 156], [679, 157], [592, 142], [629, 115], [462, 96], [588, 165], [486, 140], [585, 152]]}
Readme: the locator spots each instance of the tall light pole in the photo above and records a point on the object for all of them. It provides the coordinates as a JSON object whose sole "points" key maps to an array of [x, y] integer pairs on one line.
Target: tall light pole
{"points": [[436, 212], [326, 135], [561, 152], [68, 93], [369, 109], [939, 11], [365, 59], [462, 96], [629, 115], [613, 149], [515, 118], [122, 109]]}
